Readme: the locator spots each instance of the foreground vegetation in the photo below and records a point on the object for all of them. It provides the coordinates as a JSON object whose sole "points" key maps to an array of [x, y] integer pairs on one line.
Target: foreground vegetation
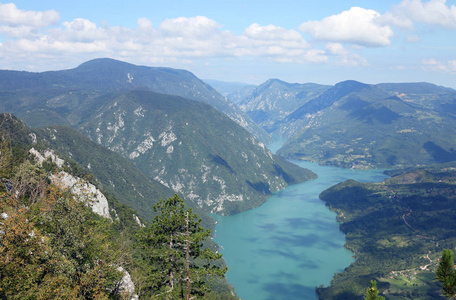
{"points": [[396, 230], [53, 246], [446, 274]]}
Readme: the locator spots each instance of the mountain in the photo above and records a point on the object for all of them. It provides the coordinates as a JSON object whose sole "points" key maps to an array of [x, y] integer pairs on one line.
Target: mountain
{"points": [[397, 230], [275, 99], [117, 176], [234, 91], [358, 125], [192, 148], [69, 97], [437, 98], [53, 149], [62, 225], [215, 162]]}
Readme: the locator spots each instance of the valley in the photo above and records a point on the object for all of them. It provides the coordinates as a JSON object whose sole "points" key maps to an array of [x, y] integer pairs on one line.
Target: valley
{"points": [[292, 243], [397, 230], [313, 216]]}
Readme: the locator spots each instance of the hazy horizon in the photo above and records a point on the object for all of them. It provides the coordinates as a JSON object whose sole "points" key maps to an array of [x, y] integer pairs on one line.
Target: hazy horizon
{"points": [[240, 41]]}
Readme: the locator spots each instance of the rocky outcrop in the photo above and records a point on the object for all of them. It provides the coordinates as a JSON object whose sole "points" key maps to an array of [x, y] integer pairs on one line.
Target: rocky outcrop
{"points": [[46, 155], [81, 188], [127, 286], [85, 190]]}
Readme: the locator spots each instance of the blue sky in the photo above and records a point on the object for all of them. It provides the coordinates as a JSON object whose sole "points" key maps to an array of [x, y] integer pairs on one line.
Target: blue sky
{"points": [[243, 41]]}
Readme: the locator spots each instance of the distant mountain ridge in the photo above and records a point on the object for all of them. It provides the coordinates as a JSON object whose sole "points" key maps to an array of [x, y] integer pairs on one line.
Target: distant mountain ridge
{"points": [[48, 98], [385, 125], [187, 145], [274, 100], [234, 91], [358, 125]]}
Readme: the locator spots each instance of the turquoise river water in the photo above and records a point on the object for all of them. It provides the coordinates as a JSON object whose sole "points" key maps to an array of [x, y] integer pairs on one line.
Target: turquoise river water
{"points": [[292, 243]]}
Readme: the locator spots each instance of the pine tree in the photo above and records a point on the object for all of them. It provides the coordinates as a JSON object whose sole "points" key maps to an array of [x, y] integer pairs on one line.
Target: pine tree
{"points": [[446, 274], [174, 232], [372, 292]]}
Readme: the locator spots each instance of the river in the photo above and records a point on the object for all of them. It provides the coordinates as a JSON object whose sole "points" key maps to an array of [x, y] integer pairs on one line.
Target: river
{"points": [[292, 243]]}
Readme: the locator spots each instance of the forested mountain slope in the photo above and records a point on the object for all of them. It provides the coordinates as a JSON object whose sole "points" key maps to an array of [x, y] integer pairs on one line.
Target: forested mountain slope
{"points": [[193, 149], [273, 100], [117, 176], [358, 125], [57, 243], [397, 230], [70, 97]]}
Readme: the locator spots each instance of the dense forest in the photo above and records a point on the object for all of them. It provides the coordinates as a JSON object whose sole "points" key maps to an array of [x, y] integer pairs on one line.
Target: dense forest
{"points": [[397, 230], [53, 245]]}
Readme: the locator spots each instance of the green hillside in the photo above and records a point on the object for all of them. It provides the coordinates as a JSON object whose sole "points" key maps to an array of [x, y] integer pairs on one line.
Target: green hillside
{"points": [[54, 244], [70, 97], [397, 230], [356, 125], [117, 175], [193, 149]]}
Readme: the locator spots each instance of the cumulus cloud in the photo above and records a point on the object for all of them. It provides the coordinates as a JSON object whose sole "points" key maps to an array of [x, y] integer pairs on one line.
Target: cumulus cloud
{"points": [[316, 56], [12, 16], [272, 32], [433, 12], [16, 23], [282, 44], [357, 26], [179, 39], [195, 27]]}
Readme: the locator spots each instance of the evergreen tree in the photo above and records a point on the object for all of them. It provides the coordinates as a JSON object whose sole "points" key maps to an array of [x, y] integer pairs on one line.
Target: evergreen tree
{"points": [[174, 250], [446, 274], [372, 292]]}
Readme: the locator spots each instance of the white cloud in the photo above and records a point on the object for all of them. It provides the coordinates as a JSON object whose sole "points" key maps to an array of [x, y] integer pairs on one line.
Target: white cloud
{"points": [[433, 12], [17, 31], [344, 57], [12, 16], [336, 49], [397, 19], [16, 23], [272, 32], [181, 39], [199, 26], [282, 44], [145, 24], [358, 26], [435, 65], [315, 56], [32, 40]]}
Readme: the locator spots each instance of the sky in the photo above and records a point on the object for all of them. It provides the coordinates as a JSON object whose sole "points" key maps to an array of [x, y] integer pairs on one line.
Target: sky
{"points": [[245, 41]]}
